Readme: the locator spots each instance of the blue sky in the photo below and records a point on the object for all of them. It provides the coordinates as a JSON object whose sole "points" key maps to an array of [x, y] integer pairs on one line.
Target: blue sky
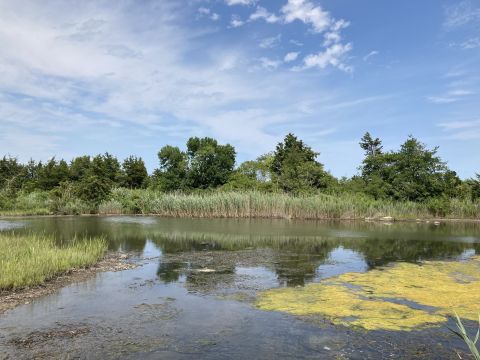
{"points": [[129, 77]]}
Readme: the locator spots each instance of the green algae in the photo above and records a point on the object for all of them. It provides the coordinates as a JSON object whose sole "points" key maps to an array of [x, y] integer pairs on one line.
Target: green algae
{"points": [[403, 296]]}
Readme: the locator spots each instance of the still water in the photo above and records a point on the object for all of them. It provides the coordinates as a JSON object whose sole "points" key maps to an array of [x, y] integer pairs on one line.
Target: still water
{"points": [[192, 295]]}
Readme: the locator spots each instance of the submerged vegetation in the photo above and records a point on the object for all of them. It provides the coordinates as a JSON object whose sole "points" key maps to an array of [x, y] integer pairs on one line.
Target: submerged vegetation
{"points": [[399, 297], [27, 260], [202, 181]]}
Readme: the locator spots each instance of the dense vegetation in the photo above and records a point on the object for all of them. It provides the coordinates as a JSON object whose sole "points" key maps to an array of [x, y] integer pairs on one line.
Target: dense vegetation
{"points": [[203, 181], [28, 260]]}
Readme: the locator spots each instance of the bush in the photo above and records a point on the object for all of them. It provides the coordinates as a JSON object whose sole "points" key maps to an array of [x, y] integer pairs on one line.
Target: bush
{"points": [[439, 206]]}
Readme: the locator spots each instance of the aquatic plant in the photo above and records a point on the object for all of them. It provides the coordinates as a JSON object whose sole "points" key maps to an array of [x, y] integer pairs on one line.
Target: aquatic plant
{"points": [[462, 334], [398, 297], [27, 260]]}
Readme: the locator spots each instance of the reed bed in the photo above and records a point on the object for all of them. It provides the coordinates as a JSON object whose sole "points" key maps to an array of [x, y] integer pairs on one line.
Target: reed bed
{"points": [[27, 260], [272, 205], [237, 204]]}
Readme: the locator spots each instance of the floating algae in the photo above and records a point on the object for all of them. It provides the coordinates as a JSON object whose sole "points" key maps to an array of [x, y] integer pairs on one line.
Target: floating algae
{"points": [[400, 297]]}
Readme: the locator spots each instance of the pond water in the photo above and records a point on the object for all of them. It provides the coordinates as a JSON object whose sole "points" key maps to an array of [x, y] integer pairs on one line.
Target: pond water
{"points": [[195, 291]]}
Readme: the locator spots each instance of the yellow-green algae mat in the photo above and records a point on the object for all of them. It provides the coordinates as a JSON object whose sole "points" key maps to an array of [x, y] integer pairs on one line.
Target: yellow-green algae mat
{"points": [[380, 299]]}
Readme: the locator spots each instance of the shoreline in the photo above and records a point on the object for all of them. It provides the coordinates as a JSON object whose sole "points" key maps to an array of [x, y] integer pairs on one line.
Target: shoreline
{"points": [[112, 261], [377, 220]]}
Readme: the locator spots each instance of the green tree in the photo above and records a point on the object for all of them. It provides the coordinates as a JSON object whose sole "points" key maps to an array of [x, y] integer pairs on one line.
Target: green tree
{"points": [[135, 172], [93, 189], [295, 168], [107, 167], [475, 184], [413, 173], [12, 174], [210, 164], [80, 167], [52, 173], [173, 169]]}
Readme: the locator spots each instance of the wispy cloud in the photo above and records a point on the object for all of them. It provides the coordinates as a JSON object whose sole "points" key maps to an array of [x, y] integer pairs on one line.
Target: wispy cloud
{"points": [[450, 96], [462, 13], [240, 2], [462, 130], [263, 14], [270, 42], [371, 54]]}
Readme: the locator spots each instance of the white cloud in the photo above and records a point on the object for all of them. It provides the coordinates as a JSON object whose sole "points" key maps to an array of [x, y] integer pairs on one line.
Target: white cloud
{"points": [[370, 54], [291, 56], [236, 21], [240, 2], [331, 56], [203, 10], [270, 42], [262, 13], [207, 12], [333, 35], [269, 64], [308, 13]]}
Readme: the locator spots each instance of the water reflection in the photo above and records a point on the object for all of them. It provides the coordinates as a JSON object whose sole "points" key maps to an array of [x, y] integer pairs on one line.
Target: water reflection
{"points": [[292, 253]]}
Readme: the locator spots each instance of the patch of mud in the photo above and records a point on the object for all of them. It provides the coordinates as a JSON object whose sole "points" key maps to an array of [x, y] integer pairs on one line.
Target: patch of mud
{"points": [[113, 261]]}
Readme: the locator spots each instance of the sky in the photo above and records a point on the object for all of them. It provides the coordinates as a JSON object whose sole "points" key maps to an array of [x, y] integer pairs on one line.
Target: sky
{"points": [[128, 77]]}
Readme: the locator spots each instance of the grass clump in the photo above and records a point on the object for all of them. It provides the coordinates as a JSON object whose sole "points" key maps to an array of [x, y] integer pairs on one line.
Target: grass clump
{"points": [[27, 260]]}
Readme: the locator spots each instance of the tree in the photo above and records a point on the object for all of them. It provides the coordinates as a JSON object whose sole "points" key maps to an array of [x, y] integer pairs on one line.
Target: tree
{"points": [[371, 146], [108, 168], [210, 164], [135, 173], [295, 168], [413, 173], [11, 174], [475, 185], [80, 167], [93, 189], [173, 169], [52, 173]]}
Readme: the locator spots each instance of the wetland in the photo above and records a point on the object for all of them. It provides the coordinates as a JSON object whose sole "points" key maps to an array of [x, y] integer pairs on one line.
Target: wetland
{"points": [[258, 288]]}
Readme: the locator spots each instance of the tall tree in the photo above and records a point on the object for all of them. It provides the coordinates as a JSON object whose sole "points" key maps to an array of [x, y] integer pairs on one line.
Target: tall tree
{"points": [[210, 164], [370, 145], [172, 174], [295, 168], [135, 172], [52, 174]]}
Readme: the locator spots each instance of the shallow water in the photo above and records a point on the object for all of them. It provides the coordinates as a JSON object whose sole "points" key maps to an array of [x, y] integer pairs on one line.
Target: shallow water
{"points": [[193, 295]]}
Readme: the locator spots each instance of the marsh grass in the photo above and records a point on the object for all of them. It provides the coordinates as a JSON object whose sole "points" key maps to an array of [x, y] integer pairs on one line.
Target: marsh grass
{"points": [[462, 334], [237, 204], [27, 260], [272, 205]]}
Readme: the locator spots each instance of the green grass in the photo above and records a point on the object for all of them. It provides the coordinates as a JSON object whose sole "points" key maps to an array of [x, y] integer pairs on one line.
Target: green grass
{"points": [[27, 260], [273, 205]]}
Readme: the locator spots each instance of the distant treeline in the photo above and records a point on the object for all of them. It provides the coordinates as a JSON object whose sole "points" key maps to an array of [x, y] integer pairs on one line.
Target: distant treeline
{"points": [[412, 173]]}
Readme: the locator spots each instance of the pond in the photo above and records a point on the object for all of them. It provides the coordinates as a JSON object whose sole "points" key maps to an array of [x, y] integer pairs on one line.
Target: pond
{"points": [[229, 288]]}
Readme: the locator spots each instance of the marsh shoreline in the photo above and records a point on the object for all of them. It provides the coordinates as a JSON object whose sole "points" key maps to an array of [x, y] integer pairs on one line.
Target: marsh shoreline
{"points": [[112, 261]]}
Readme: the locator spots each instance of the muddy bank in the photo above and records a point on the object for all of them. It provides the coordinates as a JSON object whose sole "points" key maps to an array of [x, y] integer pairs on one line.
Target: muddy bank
{"points": [[113, 261]]}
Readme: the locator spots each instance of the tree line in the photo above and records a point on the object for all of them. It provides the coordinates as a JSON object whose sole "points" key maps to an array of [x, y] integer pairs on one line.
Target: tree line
{"points": [[411, 173]]}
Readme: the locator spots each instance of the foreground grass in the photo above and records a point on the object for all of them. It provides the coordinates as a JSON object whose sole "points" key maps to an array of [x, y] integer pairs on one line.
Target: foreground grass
{"points": [[27, 260], [244, 205]]}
